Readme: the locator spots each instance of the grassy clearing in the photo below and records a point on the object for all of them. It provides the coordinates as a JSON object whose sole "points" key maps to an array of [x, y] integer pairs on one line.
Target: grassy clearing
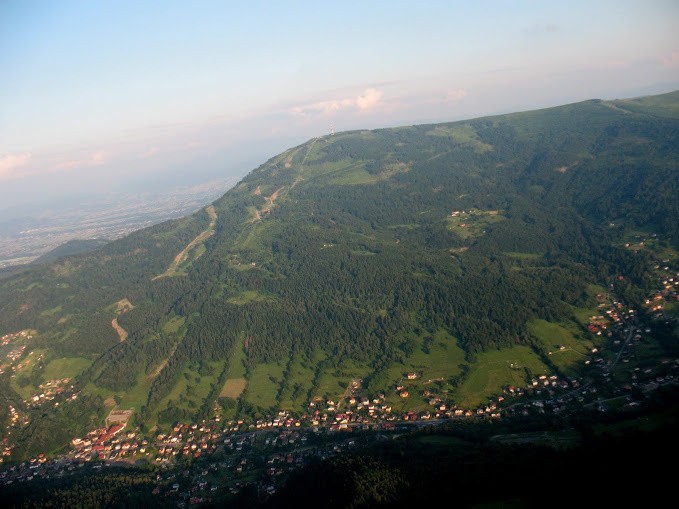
{"points": [[236, 367], [464, 135], [94, 390], [472, 223], [263, 384], [137, 396], [523, 256], [249, 296], [561, 343], [233, 387], [173, 325], [343, 172], [257, 237], [433, 370], [192, 387], [298, 384], [582, 315], [355, 175], [495, 369], [65, 367], [333, 382]]}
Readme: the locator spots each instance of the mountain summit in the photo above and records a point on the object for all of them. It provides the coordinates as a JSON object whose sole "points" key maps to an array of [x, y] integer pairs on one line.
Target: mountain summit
{"points": [[448, 260]]}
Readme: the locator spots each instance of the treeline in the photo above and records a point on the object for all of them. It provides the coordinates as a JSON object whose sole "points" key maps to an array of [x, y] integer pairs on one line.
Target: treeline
{"points": [[111, 488]]}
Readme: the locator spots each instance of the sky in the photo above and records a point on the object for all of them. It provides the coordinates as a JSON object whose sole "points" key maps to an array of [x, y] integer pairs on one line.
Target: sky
{"points": [[100, 96]]}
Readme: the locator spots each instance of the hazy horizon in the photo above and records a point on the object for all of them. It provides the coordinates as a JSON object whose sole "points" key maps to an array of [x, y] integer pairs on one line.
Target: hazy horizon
{"points": [[121, 97]]}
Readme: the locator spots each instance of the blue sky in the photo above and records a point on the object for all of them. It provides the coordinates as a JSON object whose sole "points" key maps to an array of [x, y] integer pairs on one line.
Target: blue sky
{"points": [[98, 94]]}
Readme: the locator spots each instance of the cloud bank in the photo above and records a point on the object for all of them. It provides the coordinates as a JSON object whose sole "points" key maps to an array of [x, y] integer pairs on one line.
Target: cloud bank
{"points": [[9, 165], [368, 100], [96, 159]]}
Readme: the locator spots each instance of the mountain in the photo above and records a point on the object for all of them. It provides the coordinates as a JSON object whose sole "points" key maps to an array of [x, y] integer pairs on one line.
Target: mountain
{"points": [[447, 259]]}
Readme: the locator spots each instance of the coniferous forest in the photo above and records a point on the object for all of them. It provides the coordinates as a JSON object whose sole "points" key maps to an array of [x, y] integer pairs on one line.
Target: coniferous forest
{"points": [[358, 255]]}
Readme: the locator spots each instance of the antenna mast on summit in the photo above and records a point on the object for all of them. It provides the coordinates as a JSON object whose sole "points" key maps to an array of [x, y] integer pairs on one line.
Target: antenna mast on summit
{"points": [[332, 130]]}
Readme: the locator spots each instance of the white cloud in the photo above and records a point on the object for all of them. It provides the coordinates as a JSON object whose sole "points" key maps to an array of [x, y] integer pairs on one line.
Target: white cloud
{"points": [[369, 99], [96, 159], [10, 163], [366, 101], [456, 95]]}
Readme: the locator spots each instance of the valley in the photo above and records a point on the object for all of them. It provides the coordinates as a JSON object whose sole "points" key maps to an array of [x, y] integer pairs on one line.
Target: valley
{"points": [[28, 233]]}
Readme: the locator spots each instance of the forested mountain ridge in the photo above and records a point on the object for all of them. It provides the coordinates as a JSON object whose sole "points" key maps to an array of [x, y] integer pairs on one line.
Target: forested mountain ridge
{"points": [[360, 255]]}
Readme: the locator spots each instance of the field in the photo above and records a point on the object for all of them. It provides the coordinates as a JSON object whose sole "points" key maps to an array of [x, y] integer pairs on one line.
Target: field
{"points": [[299, 382], [137, 396], [559, 341], [233, 387], [247, 297], [470, 224], [263, 384], [65, 367], [433, 369], [495, 369], [333, 382], [192, 387], [236, 382]]}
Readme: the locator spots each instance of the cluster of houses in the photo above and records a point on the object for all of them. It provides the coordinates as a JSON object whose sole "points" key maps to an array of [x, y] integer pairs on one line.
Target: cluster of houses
{"points": [[50, 390], [107, 444], [668, 283], [17, 352], [14, 416], [229, 452], [12, 356], [263, 458], [8, 338]]}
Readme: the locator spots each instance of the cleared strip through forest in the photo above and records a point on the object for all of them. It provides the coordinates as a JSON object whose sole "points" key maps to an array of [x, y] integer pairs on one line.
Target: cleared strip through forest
{"points": [[173, 269]]}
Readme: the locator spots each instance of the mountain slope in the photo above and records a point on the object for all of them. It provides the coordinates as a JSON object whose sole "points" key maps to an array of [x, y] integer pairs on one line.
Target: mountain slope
{"points": [[434, 249]]}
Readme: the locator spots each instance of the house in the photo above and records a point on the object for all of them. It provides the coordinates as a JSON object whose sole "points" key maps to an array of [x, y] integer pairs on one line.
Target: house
{"points": [[404, 394], [411, 376]]}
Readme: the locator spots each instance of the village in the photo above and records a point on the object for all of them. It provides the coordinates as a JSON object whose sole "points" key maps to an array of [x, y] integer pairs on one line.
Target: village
{"points": [[196, 462]]}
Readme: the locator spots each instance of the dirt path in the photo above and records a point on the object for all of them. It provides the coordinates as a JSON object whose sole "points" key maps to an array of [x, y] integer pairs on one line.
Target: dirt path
{"points": [[271, 199], [122, 333], [257, 213], [184, 253], [122, 306], [160, 367]]}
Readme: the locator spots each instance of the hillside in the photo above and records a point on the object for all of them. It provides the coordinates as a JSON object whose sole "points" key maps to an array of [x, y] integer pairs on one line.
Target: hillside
{"points": [[456, 252], [72, 247]]}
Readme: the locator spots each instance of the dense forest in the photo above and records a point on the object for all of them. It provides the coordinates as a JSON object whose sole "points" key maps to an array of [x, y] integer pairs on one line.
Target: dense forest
{"points": [[357, 247]]}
